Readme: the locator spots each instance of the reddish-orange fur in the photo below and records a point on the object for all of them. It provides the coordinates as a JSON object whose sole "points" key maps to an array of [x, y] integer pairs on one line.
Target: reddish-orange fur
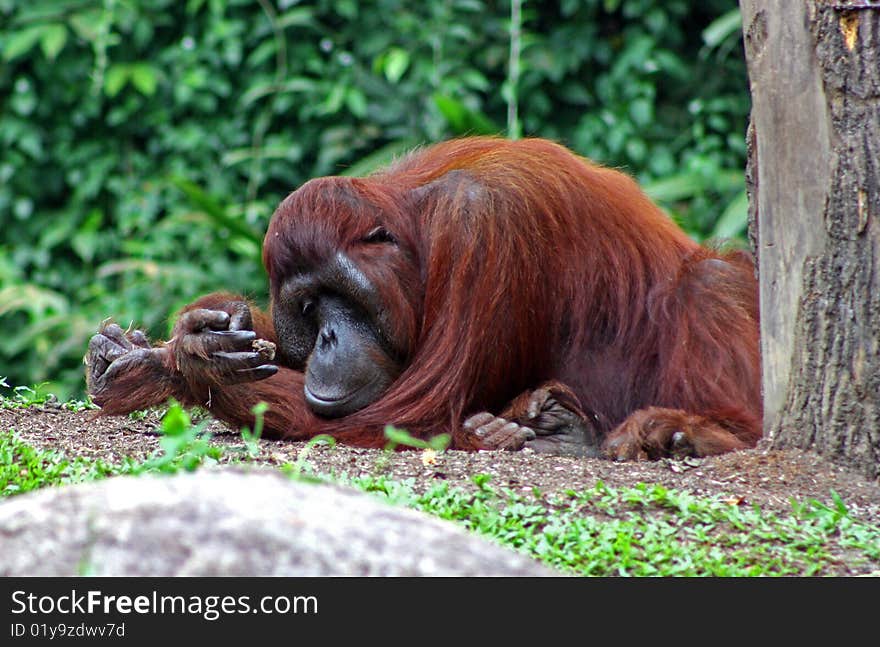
{"points": [[528, 265]]}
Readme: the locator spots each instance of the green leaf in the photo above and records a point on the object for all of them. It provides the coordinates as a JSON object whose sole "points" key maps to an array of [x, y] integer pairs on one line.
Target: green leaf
{"points": [[299, 17], [396, 64], [115, 79], [215, 210], [86, 240], [734, 219], [453, 111], [53, 40], [21, 42], [176, 421], [379, 158], [677, 187], [193, 6], [85, 243], [291, 152], [642, 111], [145, 78], [476, 80], [636, 149], [295, 84], [333, 102], [397, 436], [356, 102], [87, 24], [722, 27], [462, 120], [440, 442]]}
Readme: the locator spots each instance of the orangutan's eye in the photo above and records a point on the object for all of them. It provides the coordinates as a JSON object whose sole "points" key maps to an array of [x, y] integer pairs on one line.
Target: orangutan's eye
{"points": [[379, 235]]}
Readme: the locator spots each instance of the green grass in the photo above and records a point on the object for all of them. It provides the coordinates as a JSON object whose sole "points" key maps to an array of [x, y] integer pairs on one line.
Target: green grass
{"points": [[646, 530], [37, 395], [183, 447], [649, 530], [23, 468]]}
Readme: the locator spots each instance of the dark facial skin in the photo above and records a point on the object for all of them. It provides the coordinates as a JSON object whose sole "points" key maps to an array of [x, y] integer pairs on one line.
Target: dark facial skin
{"points": [[327, 326]]}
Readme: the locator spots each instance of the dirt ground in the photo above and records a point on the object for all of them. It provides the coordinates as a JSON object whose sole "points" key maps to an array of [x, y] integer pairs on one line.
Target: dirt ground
{"points": [[770, 479]]}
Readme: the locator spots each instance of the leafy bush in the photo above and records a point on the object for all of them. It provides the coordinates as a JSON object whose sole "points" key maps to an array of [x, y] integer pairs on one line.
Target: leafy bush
{"points": [[146, 143]]}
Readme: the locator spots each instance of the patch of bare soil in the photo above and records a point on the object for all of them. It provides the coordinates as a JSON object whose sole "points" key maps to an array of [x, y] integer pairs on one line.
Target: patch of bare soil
{"points": [[770, 479]]}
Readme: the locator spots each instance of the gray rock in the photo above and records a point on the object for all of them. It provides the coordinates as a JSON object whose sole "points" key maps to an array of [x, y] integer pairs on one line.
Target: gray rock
{"points": [[232, 522]]}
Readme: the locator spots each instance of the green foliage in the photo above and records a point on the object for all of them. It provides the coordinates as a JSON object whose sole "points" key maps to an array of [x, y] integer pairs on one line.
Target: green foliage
{"points": [[145, 144], [24, 468], [397, 437], [252, 438], [183, 445], [648, 530], [301, 469]]}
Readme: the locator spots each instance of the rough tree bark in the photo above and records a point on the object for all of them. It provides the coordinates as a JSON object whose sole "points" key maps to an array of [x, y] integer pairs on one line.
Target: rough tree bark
{"points": [[814, 181]]}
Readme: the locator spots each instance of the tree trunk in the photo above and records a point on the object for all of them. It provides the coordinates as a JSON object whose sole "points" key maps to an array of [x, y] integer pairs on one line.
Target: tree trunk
{"points": [[814, 181]]}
